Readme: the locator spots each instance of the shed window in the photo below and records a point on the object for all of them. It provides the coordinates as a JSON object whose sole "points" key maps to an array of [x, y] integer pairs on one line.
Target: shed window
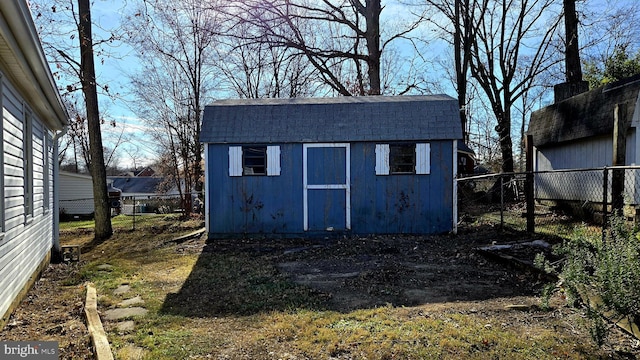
{"points": [[402, 159], [392, 159], [254, 160]]}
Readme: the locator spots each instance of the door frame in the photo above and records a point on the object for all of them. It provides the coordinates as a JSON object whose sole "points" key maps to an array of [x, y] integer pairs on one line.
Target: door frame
{"points": [[346, 186]]}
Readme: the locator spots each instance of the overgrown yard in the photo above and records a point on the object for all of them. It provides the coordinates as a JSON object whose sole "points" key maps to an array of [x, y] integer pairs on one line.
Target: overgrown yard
{"points": [[401, 297]]}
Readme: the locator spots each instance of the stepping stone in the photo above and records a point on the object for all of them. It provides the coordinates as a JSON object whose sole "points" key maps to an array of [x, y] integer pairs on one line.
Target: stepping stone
{"points": [[122, 289], [133, 301], [126, 326], [131, 352], [122, 313], [105, 267]]}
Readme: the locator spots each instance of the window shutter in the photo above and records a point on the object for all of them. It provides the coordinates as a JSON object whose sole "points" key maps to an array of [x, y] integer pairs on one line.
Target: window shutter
{"points": [[423, 158], [382, 159], [273, 160], [235, 160]]}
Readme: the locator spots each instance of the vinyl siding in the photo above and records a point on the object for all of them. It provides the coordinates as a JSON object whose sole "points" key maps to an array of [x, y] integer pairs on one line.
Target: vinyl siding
{"points": [[75, 194], [590, 153], [13, 157], [24, 245]]}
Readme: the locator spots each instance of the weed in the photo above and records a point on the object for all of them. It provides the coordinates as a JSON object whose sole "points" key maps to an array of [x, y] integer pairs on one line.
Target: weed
{"points": [[604, 274]]}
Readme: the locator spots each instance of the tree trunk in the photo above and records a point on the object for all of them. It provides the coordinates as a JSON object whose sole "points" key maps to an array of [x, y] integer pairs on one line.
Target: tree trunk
{"points": [[572, 59], [506, 144], [103, 229], [373, 9]]}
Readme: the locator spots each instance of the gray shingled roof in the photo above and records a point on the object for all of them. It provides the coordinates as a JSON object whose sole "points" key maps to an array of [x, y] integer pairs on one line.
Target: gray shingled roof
{"points": [[340, 119], [142, 185], [585, 115]]}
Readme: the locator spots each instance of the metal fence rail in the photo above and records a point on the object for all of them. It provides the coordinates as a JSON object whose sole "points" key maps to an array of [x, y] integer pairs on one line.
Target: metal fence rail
{"points": [[583, 195], [133, 207]]}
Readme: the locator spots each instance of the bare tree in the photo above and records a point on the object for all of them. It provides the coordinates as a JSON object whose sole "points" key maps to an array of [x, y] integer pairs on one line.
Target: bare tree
{"points": [[260, 69], [459, 33], [340, 38], [103, 229], [512, 46], [176, 46]]}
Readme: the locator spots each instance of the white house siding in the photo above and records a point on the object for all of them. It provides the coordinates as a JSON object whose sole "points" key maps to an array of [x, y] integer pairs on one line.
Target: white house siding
{"points": [[27, 238], [75, 194], [593, 153]]}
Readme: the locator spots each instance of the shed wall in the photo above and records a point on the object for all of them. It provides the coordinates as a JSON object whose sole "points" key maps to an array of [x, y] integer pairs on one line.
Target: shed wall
{"points": [[379, 204]]}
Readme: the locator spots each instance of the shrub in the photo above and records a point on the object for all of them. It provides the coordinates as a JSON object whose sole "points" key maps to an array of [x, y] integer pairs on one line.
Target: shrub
{"points": [[605, 268]]}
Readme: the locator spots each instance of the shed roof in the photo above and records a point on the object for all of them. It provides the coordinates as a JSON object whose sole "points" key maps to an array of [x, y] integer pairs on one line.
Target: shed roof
{"points": [[586, 115], [339, 119]]}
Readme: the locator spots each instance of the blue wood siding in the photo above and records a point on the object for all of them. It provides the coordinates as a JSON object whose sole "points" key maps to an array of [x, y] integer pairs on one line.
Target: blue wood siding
{"points": [[327, 209], [416, 204], [419, 204], [255, 204], [326, 165]]}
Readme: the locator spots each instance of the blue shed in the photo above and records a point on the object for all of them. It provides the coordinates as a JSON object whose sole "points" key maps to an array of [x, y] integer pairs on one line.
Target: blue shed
{"points": [[306, 167]]}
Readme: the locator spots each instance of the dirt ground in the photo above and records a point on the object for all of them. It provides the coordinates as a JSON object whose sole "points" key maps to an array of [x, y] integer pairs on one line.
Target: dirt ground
{"points": [[446, 272]]}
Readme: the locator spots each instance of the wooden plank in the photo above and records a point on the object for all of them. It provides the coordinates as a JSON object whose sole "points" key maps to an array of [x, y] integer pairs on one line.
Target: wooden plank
{"points": [[94, 324]]}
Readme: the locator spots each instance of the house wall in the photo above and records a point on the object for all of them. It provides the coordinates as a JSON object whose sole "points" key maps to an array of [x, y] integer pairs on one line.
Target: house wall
{"points": [[379, 203], [26, 213], [75, 194], [591, 153]]}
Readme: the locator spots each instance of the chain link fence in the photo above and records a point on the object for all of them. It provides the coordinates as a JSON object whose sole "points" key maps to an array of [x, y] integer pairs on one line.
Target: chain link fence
{"points": [[561, 198], [133, 210]]}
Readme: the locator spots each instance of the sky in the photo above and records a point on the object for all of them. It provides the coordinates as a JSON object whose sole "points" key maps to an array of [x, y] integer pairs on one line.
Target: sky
{"points": [[138, 148]]}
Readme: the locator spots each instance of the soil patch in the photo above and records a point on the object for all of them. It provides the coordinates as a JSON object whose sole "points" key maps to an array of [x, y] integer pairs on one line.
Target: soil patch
{"points": [[365, 272]]}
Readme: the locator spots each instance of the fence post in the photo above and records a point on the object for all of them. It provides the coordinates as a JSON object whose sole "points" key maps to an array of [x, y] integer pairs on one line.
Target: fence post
{"points": [[501, 201], [528, 186], [134, 213], [605, 190]]}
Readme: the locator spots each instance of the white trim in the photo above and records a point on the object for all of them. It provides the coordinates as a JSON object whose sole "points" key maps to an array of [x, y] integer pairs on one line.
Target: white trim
{"points": [[273, 160], [423, 158], [455, 187], [346, 186], [205, 188], [328, 187], [382, 159], [2, 147], [235, 160], [28, 65]]}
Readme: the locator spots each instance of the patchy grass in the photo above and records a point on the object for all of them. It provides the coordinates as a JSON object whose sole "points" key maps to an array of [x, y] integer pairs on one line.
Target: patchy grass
{"points": [[237, 304], [120, 222]]}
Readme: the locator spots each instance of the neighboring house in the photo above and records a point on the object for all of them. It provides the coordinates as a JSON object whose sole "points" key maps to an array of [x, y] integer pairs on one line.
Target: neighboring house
{"points": [[578, 133], [32, 119], [145, 194], [466, 159], [362, 165], [75, 193], [146, 171], [146, 187]]}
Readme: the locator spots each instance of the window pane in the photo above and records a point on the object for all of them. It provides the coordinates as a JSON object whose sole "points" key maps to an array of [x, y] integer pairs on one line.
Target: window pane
{"points": [[254, 160], [402, 159]]}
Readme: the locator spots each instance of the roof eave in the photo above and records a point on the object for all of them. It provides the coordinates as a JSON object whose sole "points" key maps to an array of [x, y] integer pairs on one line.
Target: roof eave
{"points": [[32, 74]]}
